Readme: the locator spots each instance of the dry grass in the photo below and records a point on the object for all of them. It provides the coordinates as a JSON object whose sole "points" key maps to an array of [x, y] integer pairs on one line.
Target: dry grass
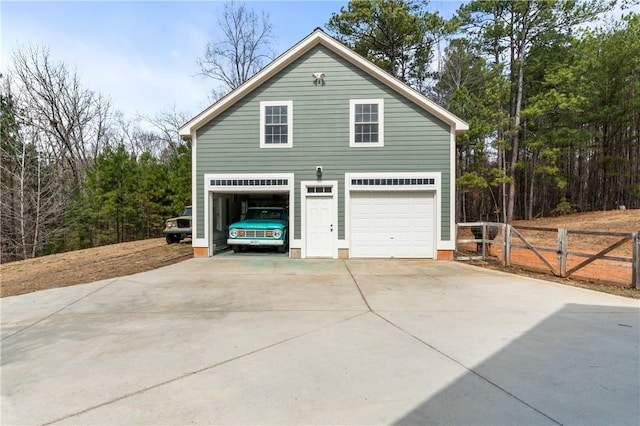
{"points": [[84, 266], [94, 264]]}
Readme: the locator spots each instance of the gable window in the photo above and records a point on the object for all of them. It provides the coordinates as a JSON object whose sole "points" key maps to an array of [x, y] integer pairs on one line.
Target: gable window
{"points": [[276, 124], [366, 121]]}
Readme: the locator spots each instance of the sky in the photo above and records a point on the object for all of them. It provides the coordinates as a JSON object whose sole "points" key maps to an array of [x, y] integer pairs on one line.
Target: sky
{"points": [[142, 54]]}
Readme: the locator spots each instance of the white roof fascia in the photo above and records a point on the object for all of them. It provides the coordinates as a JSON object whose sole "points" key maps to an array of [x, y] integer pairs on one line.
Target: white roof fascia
{"points": [[260, 77], [410, 93], [320, 37]]}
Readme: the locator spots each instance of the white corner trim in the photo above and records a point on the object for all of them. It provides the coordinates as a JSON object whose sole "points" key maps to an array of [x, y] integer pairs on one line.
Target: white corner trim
{"points": [[194, 194], [452, 191], [199, 243], [446, 245]]}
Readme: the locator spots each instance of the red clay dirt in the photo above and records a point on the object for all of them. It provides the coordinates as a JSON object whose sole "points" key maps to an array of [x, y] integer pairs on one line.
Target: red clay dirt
{"points": [[604, 271], [115, 260]]}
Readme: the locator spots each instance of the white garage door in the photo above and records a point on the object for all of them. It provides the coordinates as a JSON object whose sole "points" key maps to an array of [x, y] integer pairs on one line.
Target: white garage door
{"points": [[392, 224]]}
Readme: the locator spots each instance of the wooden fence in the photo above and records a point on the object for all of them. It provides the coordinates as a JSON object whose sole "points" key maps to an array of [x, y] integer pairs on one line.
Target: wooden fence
{"points": [[507, 237]]}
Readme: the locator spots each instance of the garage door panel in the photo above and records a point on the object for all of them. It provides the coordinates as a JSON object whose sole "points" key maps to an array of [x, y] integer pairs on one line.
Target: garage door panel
{"points": [[392, 224]]}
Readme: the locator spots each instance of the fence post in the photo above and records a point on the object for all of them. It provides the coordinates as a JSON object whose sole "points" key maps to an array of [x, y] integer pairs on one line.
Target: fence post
{"points": [[507, 244], [562, 252], [484, 241], [635, 261], [506, 249]]}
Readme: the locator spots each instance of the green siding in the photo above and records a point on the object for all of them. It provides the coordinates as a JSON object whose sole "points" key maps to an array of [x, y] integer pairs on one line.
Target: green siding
{"points": [[414, 140]]}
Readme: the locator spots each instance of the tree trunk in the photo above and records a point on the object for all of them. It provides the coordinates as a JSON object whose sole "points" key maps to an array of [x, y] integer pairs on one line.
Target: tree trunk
{"points": [[516, 138], [534, 161]]}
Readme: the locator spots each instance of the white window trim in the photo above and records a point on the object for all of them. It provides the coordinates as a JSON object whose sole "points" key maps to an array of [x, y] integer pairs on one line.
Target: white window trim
{"points": [[289, 105], [352, 123]]}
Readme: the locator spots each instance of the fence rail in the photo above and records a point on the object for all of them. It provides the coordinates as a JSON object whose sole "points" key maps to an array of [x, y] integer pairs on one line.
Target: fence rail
{"points": [[486, 235]]}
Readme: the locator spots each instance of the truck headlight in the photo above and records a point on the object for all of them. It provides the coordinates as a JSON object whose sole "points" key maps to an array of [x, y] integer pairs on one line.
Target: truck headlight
{"points": [[277, 233], [233, 233], [172, 224]]}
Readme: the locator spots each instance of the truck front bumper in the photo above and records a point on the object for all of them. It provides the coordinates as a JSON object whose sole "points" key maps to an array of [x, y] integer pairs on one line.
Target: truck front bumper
{"points": [[181, 231], [253, 242]]}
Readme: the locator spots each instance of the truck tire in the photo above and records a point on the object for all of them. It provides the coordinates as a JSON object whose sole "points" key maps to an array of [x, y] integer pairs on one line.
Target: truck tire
{"points": [[284, 248], [173, 238]]}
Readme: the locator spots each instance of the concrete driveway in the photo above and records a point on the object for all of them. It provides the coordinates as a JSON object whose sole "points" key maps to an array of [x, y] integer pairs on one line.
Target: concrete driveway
{"points": [[269, 340]]}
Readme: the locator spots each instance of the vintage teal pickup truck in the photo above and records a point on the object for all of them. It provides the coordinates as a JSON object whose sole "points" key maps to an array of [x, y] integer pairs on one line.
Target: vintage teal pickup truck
{"points": [[261, 226]]}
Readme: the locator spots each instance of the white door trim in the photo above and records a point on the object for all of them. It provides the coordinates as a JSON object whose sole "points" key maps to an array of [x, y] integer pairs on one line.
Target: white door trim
{"points": [[304, 185]]}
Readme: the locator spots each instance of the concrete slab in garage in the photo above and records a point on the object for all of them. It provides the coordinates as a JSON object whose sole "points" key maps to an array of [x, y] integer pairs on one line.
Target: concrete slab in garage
{"points": [[269, 340]]}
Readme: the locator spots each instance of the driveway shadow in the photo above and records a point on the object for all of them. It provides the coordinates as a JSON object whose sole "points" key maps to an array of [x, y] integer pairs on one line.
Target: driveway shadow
{"points": [[579, 366]]}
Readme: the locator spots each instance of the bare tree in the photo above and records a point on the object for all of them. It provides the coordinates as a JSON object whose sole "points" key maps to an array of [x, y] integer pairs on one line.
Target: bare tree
{"points": [[32, 199], [165, 125], [53, 129], [74, 121], [245, 46], [135, 138]]}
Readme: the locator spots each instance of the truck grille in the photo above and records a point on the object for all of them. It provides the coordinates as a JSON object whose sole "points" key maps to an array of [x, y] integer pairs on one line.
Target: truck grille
{"points": [[253, 233], [184, 223]]}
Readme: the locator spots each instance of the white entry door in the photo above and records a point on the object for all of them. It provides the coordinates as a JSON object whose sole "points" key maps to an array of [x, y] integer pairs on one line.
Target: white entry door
{"points": [[319, 226]]}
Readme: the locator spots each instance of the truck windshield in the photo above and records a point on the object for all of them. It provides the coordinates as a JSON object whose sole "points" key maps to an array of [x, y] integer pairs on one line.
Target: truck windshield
{"points": [[264, 214]]}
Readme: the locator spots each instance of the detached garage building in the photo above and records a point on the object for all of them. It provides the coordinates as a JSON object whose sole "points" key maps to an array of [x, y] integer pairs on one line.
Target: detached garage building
{"points": [[364, 163]]}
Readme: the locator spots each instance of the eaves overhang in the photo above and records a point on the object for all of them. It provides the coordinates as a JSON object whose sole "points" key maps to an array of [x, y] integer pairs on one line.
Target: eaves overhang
{"points": [[319, 37]]}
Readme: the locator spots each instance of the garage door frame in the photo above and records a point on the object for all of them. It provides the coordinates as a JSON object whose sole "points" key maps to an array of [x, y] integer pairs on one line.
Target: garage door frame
{"points": [[394, 182], [243, 183]]}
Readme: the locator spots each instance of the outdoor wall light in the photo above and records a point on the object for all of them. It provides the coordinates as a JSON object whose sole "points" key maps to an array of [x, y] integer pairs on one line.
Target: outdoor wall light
{"points": [[319, 171]]}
